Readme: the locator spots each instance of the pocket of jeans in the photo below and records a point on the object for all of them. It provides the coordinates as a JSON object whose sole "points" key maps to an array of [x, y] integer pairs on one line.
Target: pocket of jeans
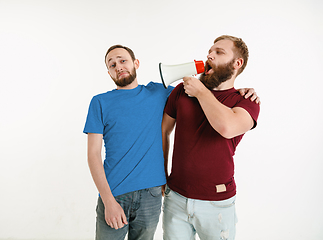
{"points": [[167, 190], [222, 205], [155, 191]]}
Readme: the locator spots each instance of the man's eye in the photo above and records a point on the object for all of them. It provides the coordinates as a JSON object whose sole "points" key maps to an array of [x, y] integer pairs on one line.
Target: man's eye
{"points": [[112, 66], [123, 61]]}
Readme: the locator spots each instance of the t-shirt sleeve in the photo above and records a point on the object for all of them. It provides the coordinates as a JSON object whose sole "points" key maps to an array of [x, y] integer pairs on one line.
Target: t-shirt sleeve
{"points": [[252, 108], [94, 120], [170, 107], [169, 90]]}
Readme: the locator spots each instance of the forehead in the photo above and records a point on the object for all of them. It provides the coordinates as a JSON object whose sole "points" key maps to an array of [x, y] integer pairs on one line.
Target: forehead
{"points": [[224, 44], [117, 53]]}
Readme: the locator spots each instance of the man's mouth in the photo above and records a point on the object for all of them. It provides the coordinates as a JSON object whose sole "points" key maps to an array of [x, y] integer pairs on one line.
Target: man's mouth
{"points": [[208, 68], [122, 73]]}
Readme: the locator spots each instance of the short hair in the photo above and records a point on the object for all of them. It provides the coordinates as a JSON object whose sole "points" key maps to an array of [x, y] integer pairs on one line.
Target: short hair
{"points": [[240, 49], [120, 46]]}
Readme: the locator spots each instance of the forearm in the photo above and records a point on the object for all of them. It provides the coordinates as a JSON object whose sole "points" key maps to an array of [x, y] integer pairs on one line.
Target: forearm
{"points": [[229, 122], [166, 152], [218, 115], [114, 214], [99, 177], [168, 125]]}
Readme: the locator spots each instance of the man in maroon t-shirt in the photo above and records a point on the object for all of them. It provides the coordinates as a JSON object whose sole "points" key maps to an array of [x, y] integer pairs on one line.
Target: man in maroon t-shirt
{"points": [[211, 118]]}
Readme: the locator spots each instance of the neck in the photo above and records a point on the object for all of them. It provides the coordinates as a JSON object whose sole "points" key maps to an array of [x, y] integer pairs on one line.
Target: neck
{"points": [[226, 85], [132, 85]]}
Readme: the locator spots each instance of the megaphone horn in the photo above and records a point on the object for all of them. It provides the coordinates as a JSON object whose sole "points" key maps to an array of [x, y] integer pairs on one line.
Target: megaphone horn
{"points": [[172, 73]]}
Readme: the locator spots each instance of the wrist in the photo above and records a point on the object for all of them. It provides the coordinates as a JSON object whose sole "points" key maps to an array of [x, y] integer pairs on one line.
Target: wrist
{"points": [[203, 91], [108, 199]]}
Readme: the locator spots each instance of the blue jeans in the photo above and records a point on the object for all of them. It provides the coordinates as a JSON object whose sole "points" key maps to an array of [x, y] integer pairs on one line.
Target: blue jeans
{"points": [[142, 209], [184, 217]]}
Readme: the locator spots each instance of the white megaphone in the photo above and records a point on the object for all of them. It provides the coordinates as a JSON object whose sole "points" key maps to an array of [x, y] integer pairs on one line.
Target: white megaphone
{"points": [[172, 73]]}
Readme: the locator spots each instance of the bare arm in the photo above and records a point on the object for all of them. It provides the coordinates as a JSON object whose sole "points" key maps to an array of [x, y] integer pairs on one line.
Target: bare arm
{"points": [[229, 122], [114, 214], [167, 127]]}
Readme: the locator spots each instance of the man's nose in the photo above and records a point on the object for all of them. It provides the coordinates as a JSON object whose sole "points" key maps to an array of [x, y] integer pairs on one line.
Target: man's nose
{"points": [[210, 56], [119, 67]]}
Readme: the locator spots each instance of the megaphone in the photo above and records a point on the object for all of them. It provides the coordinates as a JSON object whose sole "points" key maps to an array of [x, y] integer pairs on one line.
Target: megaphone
{"points": [[172, 73]]}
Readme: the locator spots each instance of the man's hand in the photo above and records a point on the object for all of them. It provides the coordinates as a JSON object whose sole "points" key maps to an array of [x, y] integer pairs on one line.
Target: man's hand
{"points": [[249, 93], [114, 215], [163, 188], [193, 87]]}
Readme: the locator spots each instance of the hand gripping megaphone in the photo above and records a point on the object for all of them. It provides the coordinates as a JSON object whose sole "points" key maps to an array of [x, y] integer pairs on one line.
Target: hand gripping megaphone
{"points": [[172, 73]]}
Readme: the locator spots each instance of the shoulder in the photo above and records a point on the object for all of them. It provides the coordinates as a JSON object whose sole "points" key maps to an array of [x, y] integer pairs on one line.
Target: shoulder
{"points": [[101, 95], [251, 107], [107, 94], [177, 93], [230, 97], [158, 87], [242, 101], [178, 89], [155, 86], [100, 98], [245, 101]]}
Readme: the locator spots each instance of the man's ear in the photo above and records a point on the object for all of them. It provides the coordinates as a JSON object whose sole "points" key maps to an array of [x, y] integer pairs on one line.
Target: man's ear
{"points": [[238, 63], [136, 63], [107, 68]]}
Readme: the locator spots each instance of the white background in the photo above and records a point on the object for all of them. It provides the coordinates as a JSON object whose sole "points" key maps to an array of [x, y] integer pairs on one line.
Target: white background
{"points": [[52, 63]]}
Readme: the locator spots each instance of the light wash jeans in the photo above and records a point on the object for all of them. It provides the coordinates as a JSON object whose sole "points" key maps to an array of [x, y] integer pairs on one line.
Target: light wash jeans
{"points": [[142, 209], [211, 220]]}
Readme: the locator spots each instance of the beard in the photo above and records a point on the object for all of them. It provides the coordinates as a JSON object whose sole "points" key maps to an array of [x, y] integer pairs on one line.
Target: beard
{"points": [[124, 81], [220, 74]]}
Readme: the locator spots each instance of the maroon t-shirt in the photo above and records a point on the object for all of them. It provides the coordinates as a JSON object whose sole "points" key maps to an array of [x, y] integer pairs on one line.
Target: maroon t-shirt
{"points": [[202, 158]]}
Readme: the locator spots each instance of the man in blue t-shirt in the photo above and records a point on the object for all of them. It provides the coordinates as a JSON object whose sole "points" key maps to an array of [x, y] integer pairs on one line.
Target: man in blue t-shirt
{"points": [[128, 119]]}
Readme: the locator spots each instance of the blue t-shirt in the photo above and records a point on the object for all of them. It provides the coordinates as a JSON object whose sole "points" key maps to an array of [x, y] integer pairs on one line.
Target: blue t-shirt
{"points": [[130, 121]]}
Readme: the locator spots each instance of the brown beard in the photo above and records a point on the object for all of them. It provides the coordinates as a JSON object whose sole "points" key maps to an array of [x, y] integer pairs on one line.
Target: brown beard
{"points": [[126, 80], [220, 74]]}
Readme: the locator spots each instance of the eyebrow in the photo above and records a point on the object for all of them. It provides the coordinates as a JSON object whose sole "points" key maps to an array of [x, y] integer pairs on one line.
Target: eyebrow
{"points": [[111, 58], [217, 48]]}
